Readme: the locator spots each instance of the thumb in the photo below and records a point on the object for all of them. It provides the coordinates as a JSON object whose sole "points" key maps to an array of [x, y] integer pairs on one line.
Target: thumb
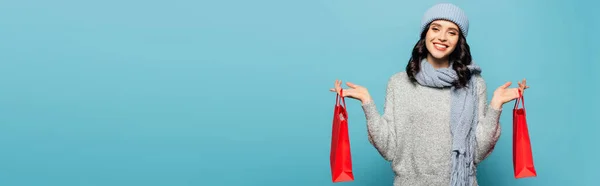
{"points": [[506, 85], [352, 85]]}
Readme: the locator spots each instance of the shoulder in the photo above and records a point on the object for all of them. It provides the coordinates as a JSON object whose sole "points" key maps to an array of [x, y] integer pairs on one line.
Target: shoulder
{"points": [[400, 81], [478, 79], [479, 82], [399, 77]]}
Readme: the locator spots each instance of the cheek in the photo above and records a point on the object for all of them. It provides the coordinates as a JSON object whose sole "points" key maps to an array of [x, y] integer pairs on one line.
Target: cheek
{"points": [[429, 36], [428, 43], [453, 42], [452, 47], [429, 46]]}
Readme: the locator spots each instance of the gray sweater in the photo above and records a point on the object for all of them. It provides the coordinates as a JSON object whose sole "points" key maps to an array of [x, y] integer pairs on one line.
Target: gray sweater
{"points": [[414, 131]]}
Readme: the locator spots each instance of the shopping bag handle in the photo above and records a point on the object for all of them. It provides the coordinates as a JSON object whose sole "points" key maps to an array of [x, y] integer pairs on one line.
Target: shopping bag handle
{"points": [[340, 96], [520, 98]]}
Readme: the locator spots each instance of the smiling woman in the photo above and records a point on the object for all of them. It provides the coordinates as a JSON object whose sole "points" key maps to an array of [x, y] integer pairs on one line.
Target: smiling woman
{"points": [[441, 42], [437, 125]]}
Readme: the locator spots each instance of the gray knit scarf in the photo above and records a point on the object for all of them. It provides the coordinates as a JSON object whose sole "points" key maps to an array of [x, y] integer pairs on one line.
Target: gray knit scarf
{"points": [[463, 118]]}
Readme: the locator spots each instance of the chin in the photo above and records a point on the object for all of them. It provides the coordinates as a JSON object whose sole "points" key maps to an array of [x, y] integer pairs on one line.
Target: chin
{"points": [[438, 55]]}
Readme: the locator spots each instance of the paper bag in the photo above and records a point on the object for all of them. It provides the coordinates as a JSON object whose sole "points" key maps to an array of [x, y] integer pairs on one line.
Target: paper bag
{"points": [[340, 156], [522, 154]]}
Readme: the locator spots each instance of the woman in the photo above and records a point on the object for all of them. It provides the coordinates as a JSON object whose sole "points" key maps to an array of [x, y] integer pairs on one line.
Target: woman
{"points": [[437, 125]]}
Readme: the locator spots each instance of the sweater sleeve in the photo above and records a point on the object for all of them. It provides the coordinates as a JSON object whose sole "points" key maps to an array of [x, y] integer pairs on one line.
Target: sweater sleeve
{"points": [[488, 127], [380, 128]]}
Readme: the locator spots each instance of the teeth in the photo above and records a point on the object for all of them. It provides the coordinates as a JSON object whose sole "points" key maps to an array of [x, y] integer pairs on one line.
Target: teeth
{"points": [[441, 46]]}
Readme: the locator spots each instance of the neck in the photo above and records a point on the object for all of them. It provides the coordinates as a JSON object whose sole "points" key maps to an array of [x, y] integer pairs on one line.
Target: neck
{"points": [[437, 62]]}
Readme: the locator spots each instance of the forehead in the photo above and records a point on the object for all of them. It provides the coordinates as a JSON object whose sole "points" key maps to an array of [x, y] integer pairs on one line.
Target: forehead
{"points": [[444, 23]]}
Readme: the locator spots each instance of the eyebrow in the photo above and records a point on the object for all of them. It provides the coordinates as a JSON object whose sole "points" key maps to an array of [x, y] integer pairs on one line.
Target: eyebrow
{"points": [[452, 28]]}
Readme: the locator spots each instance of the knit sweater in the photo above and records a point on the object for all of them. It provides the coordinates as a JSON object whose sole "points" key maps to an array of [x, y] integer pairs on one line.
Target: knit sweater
{"points": [[414, 131]]}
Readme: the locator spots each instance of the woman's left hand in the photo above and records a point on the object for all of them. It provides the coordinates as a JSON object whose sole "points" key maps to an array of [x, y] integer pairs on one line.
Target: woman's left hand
{"points": [[504, 94]]}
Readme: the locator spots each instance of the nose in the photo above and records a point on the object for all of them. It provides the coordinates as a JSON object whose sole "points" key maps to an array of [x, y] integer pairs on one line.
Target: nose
{"points": [[442, 37]]}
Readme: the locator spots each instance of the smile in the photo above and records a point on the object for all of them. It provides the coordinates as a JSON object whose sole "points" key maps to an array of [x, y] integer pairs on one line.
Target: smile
{"points": [[439, 46]]}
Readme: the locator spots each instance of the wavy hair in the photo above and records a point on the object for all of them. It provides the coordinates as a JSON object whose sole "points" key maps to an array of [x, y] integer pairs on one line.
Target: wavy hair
{"points": [[460, 57]]}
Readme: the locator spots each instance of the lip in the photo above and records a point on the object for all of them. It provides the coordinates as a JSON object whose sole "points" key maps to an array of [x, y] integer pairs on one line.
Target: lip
{"points": [[438, 48]]}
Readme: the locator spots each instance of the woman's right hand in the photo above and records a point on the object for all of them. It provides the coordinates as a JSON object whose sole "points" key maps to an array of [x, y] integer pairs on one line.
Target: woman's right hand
{"points": [[355, 91]]}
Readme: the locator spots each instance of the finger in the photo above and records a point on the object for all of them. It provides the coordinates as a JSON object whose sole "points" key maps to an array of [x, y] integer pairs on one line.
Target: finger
{"points": [[335, 90], [521, 89], [523, 85], [338, 86], [335, 84]]}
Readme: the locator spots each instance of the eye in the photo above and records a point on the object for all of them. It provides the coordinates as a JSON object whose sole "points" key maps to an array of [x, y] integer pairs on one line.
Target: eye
{"points": [[453, 33], [434, 28]]}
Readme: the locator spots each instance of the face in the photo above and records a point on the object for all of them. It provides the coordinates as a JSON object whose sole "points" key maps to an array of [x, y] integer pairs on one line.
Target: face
{"points": [[441, 38]]}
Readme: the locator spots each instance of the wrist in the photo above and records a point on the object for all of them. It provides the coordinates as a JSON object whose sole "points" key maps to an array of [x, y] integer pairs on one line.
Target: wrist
{"points": [[366, 100], [495, 104]]}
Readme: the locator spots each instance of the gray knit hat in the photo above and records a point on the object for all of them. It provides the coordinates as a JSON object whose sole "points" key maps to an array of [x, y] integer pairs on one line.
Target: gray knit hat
{"points": [[446, 11]]}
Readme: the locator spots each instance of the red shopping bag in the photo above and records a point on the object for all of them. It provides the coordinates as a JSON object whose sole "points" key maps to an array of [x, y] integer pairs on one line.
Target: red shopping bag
{"points": [[522, 155], [340, 158]]}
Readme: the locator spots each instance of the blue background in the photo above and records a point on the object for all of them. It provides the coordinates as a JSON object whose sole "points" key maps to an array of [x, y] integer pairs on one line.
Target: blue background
{"points": [[227, 92]]}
